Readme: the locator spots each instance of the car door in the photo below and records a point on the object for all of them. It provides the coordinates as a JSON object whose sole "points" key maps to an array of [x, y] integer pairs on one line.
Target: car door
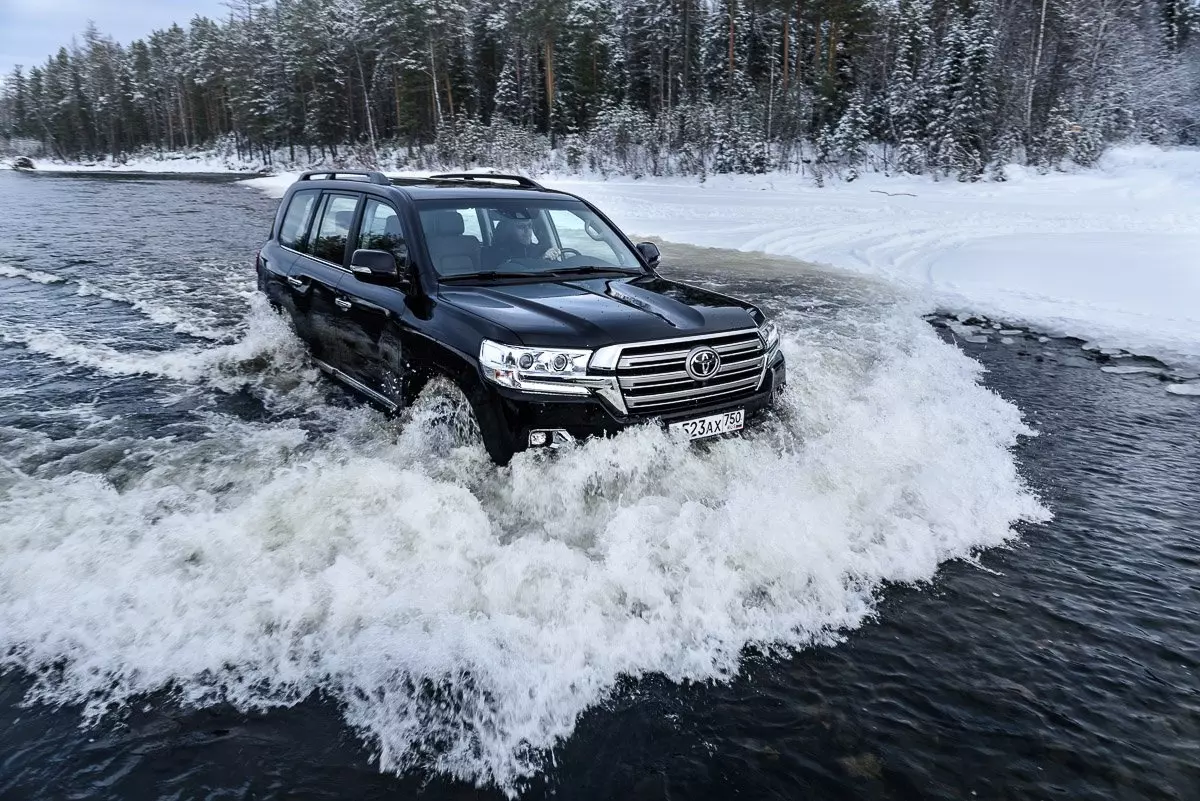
{"points": [[276, 258], [378, 318], [314, 277]]}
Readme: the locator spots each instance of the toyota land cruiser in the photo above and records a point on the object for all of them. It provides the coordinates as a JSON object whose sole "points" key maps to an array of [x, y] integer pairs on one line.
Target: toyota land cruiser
{"points": [[551, 322]]}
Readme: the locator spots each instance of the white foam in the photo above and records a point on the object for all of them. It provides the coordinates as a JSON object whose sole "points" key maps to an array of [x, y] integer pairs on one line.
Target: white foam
{"points": [[37, 276], [1184, 389], [265, 338], [183, 322], [465, 616], [1132, 369]]}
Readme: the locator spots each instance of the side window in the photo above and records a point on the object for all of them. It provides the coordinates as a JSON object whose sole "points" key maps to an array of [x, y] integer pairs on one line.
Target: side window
{"points": [[381, 229], [295, 220], [573, 232], [329, 242]]}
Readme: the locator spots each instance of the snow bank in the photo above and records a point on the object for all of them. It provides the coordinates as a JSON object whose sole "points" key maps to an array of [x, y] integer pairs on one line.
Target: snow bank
{"points": [[1109, 255], [199, 163]]}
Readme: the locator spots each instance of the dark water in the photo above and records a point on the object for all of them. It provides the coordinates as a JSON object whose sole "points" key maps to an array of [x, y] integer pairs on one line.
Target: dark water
{"points": [[145, 396]]}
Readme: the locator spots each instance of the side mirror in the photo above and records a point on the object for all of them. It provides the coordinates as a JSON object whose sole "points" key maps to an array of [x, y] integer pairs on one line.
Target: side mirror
{"points": [[649, 252], [378, 267]]}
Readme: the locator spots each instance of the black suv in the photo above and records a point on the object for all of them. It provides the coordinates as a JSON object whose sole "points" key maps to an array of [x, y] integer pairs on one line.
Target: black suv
{"points": [[551, 322]]}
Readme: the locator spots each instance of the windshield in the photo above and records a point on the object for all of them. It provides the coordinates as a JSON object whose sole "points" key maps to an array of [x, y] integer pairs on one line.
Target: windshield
{"points": [[469, 236]]}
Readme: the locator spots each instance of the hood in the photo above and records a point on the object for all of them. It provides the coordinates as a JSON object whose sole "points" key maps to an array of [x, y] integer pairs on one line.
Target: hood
{"points": [[595, 312]]}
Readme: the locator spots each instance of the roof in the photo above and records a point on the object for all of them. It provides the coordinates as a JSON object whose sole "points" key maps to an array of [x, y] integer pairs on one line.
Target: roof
{"points": [[444, 186], [441, 190]]}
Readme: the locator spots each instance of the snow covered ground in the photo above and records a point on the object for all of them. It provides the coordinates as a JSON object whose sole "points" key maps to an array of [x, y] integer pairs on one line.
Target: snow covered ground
{"points": [[201, 163], [1111, 255]]}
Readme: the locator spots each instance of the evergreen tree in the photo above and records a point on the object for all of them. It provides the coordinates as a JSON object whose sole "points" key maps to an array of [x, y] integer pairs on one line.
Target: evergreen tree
{"points": [[646, 86], [849, 142]]}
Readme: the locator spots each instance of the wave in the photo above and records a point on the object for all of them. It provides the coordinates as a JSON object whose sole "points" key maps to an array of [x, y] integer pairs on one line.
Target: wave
{"points": [[263, 346], [37, 276], [180, 321]]}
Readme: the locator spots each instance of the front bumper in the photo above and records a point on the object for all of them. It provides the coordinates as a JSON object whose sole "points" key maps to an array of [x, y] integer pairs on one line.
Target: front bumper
{"points": [[585, 417]]}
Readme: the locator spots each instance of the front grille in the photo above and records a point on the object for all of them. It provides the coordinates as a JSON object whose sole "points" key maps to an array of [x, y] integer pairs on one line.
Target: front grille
{"points": [[653, 377]]}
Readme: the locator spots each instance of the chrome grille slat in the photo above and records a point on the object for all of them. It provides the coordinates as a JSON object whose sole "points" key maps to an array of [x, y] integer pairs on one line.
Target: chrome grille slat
{"points": [[737, 348], [690, 394], [652, 376], [655, 379], [652, 358]]}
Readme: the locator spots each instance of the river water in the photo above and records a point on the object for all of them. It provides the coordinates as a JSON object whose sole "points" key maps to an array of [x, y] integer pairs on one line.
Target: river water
{"points": [[947, 570]]}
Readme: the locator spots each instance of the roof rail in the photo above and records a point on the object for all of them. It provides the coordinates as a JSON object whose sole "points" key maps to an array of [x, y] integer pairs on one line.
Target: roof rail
{"points": [[488, 177], [372, 176]]}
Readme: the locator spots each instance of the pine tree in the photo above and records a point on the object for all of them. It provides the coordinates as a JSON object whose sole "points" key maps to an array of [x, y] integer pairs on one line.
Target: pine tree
{"points": [[683, 85], [912, 76], [849, 140]]}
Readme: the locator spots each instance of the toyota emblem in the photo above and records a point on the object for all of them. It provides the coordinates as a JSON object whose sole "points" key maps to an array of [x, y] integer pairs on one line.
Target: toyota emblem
{"points": [[702, 363]]}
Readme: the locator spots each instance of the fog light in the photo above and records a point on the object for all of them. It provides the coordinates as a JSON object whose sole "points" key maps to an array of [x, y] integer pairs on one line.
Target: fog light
{"points": [[552, 437]]}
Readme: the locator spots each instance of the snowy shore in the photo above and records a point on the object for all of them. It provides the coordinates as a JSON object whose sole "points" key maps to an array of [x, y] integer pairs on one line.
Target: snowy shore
{"points": [[1110, 255]]}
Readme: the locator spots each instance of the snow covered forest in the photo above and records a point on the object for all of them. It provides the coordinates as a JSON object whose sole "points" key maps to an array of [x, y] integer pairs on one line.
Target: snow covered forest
{"points": [[636, 87]]}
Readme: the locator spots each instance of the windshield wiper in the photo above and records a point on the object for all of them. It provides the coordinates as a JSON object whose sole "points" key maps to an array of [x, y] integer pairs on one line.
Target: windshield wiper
{"points": [[588, 269], [490, 274]]}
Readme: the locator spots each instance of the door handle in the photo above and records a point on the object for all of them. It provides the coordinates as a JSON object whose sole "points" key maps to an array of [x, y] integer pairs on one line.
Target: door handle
{"points": [[343, 303], [296, 282]]}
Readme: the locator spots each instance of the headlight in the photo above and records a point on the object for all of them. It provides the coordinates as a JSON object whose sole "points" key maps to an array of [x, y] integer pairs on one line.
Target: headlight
{"points": [[770, 335], [534, 369]]}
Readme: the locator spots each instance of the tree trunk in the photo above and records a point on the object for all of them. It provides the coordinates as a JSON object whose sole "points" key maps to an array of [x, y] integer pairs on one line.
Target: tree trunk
{"points": [[397, 97], [799, 29], [687, 45], [183, 123], [831, 67], [787, 35], [549, 56], [437, 100], [1033, 70], [362, 76], [732, 9]]}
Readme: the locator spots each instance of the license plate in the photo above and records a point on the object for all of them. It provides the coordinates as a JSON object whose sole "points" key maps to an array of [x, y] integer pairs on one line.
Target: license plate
{"points": [[712, 425]]}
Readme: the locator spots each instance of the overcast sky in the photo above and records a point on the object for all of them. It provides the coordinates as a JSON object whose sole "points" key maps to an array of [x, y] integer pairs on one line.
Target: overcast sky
{"points": [[32, 30]]}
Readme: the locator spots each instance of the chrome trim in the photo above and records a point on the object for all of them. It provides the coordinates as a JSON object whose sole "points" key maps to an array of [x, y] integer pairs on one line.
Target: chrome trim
{"points": [[314, 258], [744, 365], [727, 368], [607, 388], [357, 385], [696, 392], [702, 363], [769, 355], [606, 358]]}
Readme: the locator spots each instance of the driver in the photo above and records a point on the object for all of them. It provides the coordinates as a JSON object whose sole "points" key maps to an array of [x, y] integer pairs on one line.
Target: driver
{"points": [[514, 240]]}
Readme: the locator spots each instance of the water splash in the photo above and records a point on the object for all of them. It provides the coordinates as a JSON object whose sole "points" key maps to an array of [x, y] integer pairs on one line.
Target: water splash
{"points": [[464, 616]]}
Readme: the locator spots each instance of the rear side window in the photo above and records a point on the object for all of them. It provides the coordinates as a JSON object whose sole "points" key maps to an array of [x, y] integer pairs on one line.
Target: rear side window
{"points": [[295, 221], [333, 229]]}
